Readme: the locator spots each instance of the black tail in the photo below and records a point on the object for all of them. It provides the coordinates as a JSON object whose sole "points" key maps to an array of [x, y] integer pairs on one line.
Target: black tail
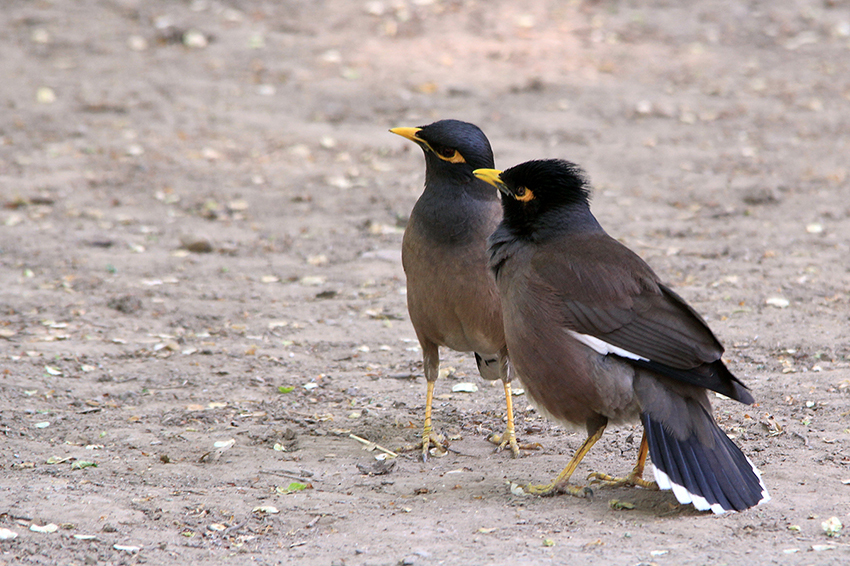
{"points": [[711, 472]]}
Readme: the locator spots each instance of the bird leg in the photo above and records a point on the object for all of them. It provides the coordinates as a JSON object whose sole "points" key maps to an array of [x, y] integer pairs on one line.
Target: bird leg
{"points": [[428, 434], [431, 365], [635, 477], [509, 437], [560, 483]]}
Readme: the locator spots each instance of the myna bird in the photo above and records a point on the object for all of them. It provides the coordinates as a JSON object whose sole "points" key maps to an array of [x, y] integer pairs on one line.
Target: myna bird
{"points": [[451, 294], [595, 337]]}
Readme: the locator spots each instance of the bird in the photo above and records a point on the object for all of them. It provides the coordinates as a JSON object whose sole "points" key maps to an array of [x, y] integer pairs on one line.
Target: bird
{"points": [[596, 337], [451, 294]]}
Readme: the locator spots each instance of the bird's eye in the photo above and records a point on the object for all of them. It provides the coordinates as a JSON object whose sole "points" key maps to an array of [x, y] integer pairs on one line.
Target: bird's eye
{"points": [[449, 154], [523, 194]]}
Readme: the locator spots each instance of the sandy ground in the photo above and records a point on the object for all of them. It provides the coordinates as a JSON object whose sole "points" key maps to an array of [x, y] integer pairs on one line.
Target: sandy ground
{"points": [[201, 290]]}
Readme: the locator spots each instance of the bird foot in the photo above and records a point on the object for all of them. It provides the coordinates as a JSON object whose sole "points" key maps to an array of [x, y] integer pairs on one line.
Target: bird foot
{"points": [[500, 441], [433, 445], [631, 480], [503, 440], [552, 489]]}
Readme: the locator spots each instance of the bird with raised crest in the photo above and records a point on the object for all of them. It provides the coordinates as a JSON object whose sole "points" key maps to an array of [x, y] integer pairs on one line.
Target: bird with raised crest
{"points": [[595, 337]]}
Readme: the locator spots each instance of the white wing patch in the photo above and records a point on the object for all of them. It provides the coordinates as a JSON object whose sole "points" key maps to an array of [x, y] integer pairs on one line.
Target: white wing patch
{"points": [[603, 347]]}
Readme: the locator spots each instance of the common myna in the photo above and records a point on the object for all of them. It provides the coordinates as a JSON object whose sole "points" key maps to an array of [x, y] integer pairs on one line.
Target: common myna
{"points": [[595, 337], [451, 294]]}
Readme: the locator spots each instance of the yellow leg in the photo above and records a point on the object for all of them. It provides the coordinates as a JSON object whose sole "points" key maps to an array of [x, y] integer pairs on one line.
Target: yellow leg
{"points": [[426, 431], [509, 438], [635, 477], [559, 484], [429, 437]]}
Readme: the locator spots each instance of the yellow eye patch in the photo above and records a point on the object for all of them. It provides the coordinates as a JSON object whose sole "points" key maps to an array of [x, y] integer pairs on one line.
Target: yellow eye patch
{"points": [[450, 155], [523, 194]]}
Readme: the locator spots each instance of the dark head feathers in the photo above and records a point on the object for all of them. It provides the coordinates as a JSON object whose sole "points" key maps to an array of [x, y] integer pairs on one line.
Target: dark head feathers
{"points": [[552, 182], [466, 138], [544, 198]]}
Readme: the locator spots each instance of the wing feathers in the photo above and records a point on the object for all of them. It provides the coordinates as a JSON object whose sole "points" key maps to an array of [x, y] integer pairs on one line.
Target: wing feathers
{"points": [[612, 297]]}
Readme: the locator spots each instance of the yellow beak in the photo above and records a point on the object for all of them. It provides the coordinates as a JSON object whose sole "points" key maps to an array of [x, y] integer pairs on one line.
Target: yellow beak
{"points": [[492, 176], [409, 133]]}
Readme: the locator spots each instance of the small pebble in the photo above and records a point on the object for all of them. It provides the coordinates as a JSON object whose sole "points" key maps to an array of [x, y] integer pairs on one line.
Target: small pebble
{"points": [[45, 95], [137, 43], [40, 35], [196, 244], [195, 39]]}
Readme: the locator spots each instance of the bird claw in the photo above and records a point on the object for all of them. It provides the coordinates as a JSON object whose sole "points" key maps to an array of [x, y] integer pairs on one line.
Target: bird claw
{"points": [[551, 490], [435, 445], [631, 480], [516, 448], [439, 449], [503, 440]]}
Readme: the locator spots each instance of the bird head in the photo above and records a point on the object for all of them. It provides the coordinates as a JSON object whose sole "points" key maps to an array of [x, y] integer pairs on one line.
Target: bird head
{"points": [[534, 188], [452, 148]]}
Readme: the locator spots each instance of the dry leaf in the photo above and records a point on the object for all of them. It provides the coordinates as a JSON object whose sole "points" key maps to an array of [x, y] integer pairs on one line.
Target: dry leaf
{"points": [[127, 548], [822, 547], [517, 489], [832, 527], [48, 528], [313, 280], [778, 302]]}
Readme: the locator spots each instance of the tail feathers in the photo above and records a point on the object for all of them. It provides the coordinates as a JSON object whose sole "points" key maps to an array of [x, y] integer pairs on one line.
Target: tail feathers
{"points": [[715, 376], [719, 478], [489, 366]]}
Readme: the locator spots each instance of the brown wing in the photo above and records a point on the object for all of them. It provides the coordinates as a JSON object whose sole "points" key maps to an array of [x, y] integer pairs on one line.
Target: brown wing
{"points": [[604, 290]]}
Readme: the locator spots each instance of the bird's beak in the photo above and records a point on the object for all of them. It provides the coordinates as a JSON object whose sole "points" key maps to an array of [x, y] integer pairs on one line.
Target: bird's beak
{"points": [[492, 176], [409, 133]]}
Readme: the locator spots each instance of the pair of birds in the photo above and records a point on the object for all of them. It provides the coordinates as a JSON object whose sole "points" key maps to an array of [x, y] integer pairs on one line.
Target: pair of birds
{"points": [[534, 286]]}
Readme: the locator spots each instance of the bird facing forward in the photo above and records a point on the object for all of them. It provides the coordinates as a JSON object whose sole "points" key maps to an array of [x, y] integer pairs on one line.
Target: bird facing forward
{"points": [[595, 337], [451, 294]]}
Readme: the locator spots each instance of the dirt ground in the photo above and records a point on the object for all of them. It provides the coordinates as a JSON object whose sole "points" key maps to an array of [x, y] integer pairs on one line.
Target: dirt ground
{"points": [[201, 290]]}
